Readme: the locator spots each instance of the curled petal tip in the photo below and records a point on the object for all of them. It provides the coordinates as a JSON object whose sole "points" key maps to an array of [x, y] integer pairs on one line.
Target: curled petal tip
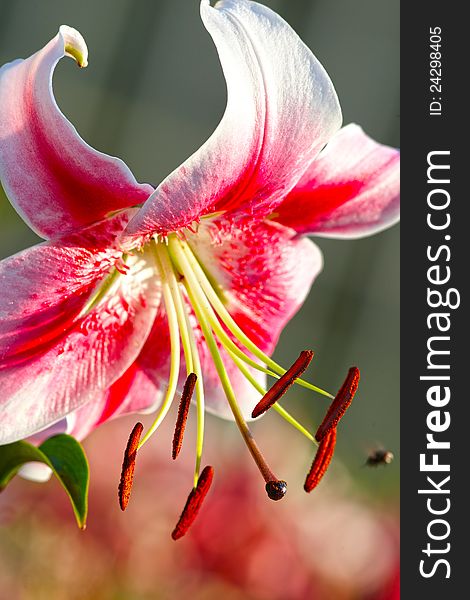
{"points": [[74, 45]]}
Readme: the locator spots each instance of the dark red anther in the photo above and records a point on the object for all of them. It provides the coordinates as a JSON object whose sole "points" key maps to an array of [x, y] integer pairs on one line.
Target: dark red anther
{"points": [[340, 404], [321, 461], [193, 503], [183, 410], [128, 466], [283, 383]]}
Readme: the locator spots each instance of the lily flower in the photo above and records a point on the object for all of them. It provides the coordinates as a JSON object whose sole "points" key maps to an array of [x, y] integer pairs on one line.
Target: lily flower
{"points": [[135, 288]]}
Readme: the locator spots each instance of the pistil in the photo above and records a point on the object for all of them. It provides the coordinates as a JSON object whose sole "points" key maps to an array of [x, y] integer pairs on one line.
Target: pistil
{"points": [[268, 475], [201, 311]]}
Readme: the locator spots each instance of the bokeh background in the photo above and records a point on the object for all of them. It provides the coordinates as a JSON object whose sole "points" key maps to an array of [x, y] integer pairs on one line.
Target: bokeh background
{"points": [[152, 94]]}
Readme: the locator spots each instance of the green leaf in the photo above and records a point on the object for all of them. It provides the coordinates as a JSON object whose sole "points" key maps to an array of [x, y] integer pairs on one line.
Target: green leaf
{"points": [[64, 455]]}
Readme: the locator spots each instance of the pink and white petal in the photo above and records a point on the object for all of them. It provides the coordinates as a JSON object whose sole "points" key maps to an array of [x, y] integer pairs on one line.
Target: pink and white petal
{"points": [[44, 288], [73, 370], [55, 180], [281, 110], [138, 390], [351, 190], [133, 392], [264, 272]]}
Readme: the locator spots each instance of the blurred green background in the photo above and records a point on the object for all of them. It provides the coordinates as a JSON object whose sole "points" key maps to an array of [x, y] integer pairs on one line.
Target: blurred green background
{"points": [[154, 91]]}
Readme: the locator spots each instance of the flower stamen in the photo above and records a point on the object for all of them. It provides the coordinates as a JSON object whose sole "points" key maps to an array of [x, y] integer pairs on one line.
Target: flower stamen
{"points": [[340, 404], [128, 466], [200, 404], [201, 281], [205, 303], [283, 383], [174, 348], [183, 411], [186, 289], [104, 287], [190, 349], [213, 320], [321, 461], [277, 407], [193, 503]]}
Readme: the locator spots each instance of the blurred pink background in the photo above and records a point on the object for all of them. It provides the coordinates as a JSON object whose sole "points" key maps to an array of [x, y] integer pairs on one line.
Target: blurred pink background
{"points": [[335, 543]]}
